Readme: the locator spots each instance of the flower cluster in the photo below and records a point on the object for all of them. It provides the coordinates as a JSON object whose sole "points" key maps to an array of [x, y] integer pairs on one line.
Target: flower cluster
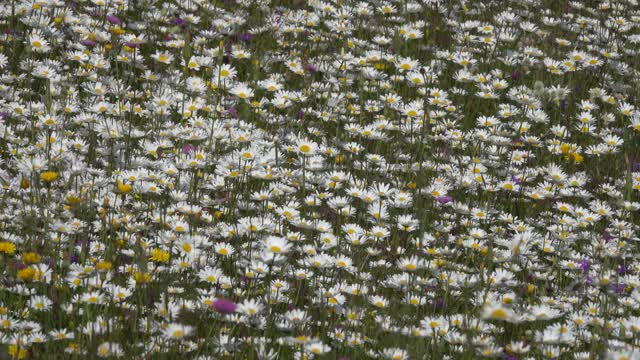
{"points": [[301, 179]]}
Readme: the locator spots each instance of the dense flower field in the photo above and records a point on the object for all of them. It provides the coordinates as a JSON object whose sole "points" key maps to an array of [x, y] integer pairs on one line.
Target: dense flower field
{"points": [[339, 179]]}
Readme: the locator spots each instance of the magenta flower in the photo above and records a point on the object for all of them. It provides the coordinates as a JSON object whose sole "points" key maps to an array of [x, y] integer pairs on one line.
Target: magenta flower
{"points": [[618, 288], [114, 20], [622, 269], [444, 199], [87, 42], [19, 265], [224, 306], [584, 265], [188, 149]]}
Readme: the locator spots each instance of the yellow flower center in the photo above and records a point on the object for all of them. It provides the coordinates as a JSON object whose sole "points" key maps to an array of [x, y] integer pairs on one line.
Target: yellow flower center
{"points": [[499, 314]]}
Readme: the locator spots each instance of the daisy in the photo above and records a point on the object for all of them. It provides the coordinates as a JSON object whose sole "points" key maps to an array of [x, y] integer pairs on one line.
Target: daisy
{"points": [[276, 245], [38, 43], [40, 303], [107, 349], [307, 148], [242, 91], [61, 334], [498, 312], [176, 332], [250, 307], [224, 249], [93, 297], [162, 57], [378, 301]]}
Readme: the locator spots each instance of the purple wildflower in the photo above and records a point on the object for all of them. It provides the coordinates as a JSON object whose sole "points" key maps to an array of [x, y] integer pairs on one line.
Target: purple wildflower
{"points": [[112, 19], [618, 288], [224, 306], [622, 269], [247, 37], [188, 149], [584, 265], [87, 42], [444, 199], [618, 131], [438, 303]]}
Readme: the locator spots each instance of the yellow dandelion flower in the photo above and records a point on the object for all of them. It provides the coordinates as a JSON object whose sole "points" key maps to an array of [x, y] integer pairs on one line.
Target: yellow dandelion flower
{"points": [[7, 247], [159, 255], [31, 258], [27, 274], [49, 176]]}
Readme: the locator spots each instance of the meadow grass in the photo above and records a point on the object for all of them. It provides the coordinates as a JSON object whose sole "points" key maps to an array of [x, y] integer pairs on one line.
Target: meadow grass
{"points": [[287, 179]]}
